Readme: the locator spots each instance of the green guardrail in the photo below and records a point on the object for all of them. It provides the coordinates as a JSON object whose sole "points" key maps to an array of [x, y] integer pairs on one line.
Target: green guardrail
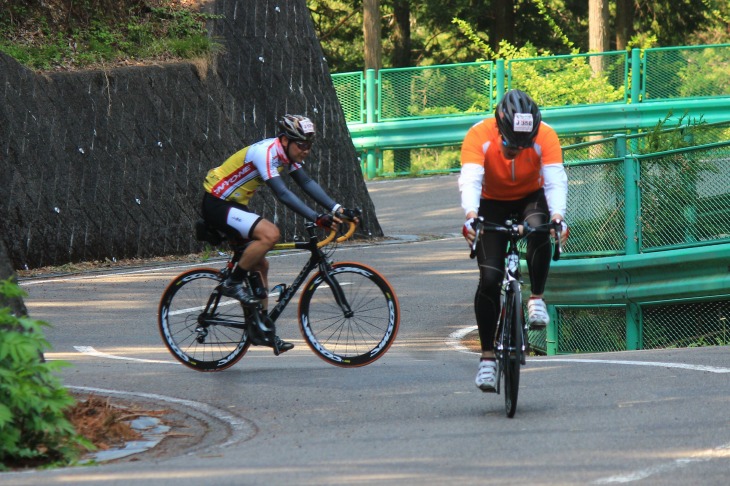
{"points": [[618, 91]]}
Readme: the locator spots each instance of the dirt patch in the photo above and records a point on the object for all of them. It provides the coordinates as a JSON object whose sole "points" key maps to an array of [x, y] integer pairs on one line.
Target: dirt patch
{"points": [[105, 424], [471, 342]]}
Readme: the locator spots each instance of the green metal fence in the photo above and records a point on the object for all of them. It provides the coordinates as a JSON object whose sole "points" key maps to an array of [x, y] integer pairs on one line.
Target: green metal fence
{"points": [[616, 77], [685, 72], [435, 91], [572, 80], [598, 94], [350, 89], [646, 265]]}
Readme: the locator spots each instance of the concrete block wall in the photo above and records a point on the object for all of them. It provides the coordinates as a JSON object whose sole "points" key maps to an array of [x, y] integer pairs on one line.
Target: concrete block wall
{"points": [[108, 164]]}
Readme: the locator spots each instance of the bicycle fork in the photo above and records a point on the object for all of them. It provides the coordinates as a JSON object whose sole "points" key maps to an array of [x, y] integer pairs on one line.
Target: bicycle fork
{"points": [[337, 292]]}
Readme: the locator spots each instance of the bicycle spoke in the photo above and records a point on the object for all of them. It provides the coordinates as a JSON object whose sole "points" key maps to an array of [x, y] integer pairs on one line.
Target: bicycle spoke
{"points": [[204, 342], [351, 338]]}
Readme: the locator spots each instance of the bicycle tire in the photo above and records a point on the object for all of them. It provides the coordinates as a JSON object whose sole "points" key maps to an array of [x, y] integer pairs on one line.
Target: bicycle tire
{"points": [[195, 342], [352, 341], [512, 349]]}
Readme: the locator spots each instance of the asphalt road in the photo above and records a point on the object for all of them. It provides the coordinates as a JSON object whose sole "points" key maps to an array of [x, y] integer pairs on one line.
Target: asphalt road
{"points": [[414, 416]]}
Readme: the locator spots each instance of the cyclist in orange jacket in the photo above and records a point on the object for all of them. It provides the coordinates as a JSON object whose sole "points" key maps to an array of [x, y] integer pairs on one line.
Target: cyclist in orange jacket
{"points": [[511, 163]]}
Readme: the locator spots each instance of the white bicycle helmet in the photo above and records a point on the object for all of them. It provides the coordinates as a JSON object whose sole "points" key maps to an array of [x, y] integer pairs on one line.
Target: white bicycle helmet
{"points": [[297, 127]]}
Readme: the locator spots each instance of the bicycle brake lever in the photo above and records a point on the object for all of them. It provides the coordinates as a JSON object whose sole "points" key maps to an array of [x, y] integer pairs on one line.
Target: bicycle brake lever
{"points": [[558, 235], [477, 232]]}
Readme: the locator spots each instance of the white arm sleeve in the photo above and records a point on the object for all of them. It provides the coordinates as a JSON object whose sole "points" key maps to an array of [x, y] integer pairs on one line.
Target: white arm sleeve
{"points": [[556, 188], [470, 186]]}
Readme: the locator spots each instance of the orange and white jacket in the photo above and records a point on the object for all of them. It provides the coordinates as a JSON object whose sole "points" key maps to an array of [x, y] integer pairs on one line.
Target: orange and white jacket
{"points": [[485, 173]]}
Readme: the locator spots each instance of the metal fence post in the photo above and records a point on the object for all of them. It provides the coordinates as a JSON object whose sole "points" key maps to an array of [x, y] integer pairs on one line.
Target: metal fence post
{"points": [[500, 80], [551, 338], [632, 232], [371, 98], [636, 77], [633, 327]]}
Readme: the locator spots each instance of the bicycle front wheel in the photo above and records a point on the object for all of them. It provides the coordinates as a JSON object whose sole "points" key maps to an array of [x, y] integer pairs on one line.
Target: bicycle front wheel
{"points": [[512, 339], [202, 330], [352, 321]]}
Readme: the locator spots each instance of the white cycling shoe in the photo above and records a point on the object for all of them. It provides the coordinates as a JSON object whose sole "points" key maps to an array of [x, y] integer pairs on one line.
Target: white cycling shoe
{"points": [[486, 379], [537, 315]]}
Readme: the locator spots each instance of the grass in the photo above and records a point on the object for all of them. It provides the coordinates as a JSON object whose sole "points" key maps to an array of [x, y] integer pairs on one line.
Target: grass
{"points": [[51, 36]]}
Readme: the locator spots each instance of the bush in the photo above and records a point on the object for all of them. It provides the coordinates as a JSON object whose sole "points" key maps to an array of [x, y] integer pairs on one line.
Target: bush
{"points": [[34, 430]]}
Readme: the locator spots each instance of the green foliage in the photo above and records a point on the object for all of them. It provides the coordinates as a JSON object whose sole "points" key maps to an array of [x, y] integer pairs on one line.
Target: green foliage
{"points": [[554, 80], [662, 138], [158, 33], [33, 427], [423, 161], [705, 73]]}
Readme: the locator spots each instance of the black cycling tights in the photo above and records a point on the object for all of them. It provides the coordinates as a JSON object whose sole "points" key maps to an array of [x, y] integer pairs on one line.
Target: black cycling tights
{"points": [[491, 253]]}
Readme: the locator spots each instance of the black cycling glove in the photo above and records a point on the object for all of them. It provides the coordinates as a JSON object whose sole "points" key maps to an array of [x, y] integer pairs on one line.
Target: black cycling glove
{"points": [[324, 220], [349, 214]]}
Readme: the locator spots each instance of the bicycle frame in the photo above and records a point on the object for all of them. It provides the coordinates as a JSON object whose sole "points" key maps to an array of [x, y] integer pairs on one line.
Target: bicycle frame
{"points": [[316, 260]]}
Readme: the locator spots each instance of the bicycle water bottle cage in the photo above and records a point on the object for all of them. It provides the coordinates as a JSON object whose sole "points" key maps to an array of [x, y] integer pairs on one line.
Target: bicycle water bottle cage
{"points": [[513, 263], [279, 291]]}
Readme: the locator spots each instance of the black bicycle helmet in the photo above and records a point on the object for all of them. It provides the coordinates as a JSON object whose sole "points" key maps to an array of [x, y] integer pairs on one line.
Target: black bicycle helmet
{"points": [[518, 119], [297, 127]]}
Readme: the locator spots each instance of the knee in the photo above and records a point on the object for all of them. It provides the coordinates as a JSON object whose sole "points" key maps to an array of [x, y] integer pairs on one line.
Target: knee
{"points": [[269, 236]]}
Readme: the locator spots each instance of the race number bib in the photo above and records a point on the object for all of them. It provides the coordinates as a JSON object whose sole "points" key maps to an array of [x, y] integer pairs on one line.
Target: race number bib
{"points": [[307, 126], [523, 122]]}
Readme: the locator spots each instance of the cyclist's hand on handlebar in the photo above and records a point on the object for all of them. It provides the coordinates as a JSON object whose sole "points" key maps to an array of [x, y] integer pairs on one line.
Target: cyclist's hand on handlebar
{"points": [[564, 232], [327, 221], [468, 229], [350, 214]]}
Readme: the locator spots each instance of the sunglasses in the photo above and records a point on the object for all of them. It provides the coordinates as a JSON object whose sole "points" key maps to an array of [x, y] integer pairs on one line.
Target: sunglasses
{"points": [[303, 145], [510, 146]]}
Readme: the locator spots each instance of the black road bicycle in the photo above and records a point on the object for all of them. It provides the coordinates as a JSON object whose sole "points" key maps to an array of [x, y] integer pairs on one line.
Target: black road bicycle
{"points": [[511, 338], [348, 312]]}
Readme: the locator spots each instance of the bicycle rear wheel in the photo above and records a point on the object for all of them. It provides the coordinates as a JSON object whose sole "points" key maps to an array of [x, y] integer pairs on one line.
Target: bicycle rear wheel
{"points": [[512, 340], [202, 330], [349, 338]]}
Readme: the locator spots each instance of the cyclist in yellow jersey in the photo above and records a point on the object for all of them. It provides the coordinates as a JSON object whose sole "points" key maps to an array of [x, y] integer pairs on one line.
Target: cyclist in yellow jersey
{"points": [[230, 186]]}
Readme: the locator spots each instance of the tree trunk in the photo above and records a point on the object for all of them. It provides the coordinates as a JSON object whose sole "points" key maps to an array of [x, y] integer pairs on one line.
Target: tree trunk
{"points": [[371, 34], [402, 58], [504, 23], [402, 33], [624, 19], [597, 31]]}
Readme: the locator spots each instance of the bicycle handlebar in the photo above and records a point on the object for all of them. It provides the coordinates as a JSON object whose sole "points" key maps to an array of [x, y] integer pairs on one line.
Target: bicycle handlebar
{"points": [[331, 236], [517, 231]]}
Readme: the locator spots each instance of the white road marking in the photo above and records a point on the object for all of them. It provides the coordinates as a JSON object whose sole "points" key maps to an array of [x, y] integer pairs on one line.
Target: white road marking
{"points": [[660, 364], [454, 340], [722, 452], [93, 352]]}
